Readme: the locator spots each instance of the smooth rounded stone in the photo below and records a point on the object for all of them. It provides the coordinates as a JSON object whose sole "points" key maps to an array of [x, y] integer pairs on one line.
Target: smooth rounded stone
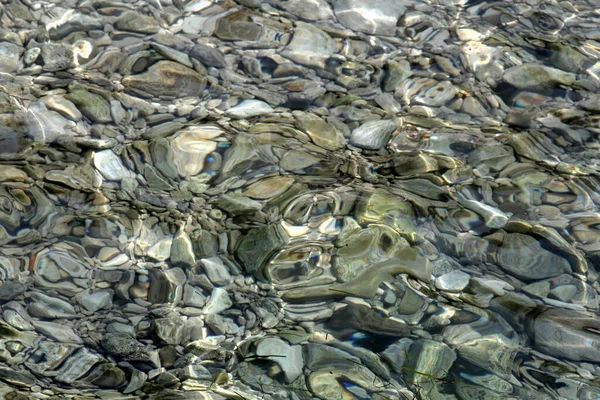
{"points": [[288, 357], [192, 148], [11, 289], [248, 109], [524, 257], [63, 106], [433, 93], [120, 344], [92, 105], [169, 330], [217, 272], [58, 332], [209, 56], [44, 306], [295, 160], [218, 302], [44, 125], [9, 173], [411, 303], [110, 166], [182, 252], [31, 55], [374, 17], [373, 135], [118, 327], [321, 133], [568, 334], [309, 46], [9, 57], [536, 77], [97, 301], [107, 376], [136, 22], [16, 315], [454, 281], [166, 78]]}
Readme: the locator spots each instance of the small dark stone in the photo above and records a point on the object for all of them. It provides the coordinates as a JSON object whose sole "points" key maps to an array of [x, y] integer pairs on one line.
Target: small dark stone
{"points": [[168, 355], [57, 57], [120, 344]]}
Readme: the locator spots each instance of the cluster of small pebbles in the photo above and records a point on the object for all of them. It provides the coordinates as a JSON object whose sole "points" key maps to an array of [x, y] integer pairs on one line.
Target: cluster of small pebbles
{"points": [[299, 199]]}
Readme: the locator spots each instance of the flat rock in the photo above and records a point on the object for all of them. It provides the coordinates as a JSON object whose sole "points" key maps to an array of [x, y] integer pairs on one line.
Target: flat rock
{"points": [[58, 332], [454, 281], [166, 78], [136, 22], [248, 109], [537, 77]]}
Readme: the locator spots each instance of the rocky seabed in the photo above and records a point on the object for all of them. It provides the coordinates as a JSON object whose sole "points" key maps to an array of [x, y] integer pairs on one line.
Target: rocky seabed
{"points": [[299, 199]]}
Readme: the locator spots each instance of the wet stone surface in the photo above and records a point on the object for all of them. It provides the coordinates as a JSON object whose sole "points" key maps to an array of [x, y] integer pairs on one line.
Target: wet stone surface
{"points": [[316, 199]]}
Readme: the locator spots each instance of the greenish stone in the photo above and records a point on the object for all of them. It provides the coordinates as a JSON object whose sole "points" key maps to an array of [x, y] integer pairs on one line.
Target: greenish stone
{"points": [[92, 105]]}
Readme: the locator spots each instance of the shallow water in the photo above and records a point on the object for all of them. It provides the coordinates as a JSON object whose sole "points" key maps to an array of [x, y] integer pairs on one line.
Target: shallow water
{"points": [[299, 199]]}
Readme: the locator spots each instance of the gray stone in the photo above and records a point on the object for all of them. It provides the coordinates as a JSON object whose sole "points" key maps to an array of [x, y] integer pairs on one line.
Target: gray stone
{"points": [[568, 334], [169, 330], [97, 301], [182, 252], [378, 17], [120, 344], [454, 281], [57, 57], [373, 135], [248, 109], [217, 272], [288, 357], [524, 257], [58, 332], [537, 77], [209, 56], [137, 22], [219, 301], [11, 289], [9, 57]]}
